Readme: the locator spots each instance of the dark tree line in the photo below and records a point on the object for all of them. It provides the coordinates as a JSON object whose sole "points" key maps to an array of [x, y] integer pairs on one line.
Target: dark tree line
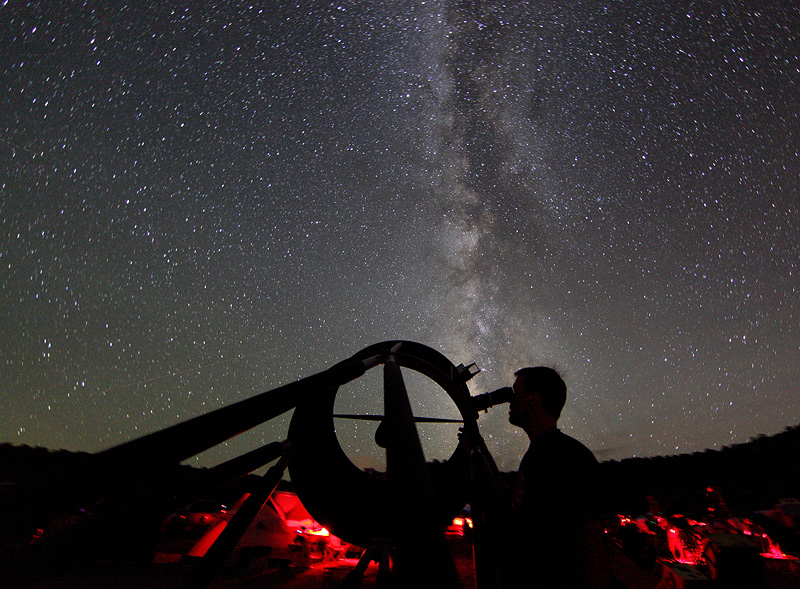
{"points": [[37, 484], [750, 476]]}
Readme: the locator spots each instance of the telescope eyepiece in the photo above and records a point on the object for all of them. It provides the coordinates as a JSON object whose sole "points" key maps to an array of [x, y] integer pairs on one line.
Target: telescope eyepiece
{"points": [[486, 400]]}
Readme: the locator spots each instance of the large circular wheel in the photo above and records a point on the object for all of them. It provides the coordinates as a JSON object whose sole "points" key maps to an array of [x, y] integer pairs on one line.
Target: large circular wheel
{"points": [[355, 505]]}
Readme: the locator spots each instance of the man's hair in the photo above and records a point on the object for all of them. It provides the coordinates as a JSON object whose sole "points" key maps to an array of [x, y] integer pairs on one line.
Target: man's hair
{"points": [[550, 386]]}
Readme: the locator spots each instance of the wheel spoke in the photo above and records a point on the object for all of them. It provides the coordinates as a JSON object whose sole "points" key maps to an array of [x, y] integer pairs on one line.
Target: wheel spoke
{"points": [[381, 417]]}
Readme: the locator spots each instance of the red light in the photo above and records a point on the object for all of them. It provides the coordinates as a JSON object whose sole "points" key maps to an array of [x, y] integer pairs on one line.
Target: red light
{"points": [[775, 551], [458, 525], [319, 532]]}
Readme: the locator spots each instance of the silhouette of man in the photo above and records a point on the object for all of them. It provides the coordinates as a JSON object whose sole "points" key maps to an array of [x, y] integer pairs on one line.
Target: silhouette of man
{"points": [[557, 530]]}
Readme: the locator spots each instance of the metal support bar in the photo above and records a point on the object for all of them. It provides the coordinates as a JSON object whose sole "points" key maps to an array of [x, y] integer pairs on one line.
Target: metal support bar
{"points": [[186, 439], [490, 502], [230, 536], [377, 551], [421, 556], [358, 417], [237, 467]]}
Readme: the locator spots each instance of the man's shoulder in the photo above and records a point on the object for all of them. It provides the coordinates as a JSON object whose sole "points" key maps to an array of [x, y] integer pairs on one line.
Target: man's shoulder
{"points": [[559, 442]]}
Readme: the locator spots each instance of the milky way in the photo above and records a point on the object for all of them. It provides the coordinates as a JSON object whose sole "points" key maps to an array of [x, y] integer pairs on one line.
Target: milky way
{"points": [[200, 204]]}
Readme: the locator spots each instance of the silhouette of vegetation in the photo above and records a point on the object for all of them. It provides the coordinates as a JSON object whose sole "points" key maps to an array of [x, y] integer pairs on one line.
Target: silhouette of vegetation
{"points": [[39, 487], [58, 504], [751, 476]]}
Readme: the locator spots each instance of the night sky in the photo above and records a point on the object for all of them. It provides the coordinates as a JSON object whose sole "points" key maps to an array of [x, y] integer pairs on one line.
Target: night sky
{"points": [[203, 201]]}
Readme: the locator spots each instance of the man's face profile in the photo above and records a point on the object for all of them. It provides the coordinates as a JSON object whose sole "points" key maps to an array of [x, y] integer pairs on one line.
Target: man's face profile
{"points": [[522, 404]]}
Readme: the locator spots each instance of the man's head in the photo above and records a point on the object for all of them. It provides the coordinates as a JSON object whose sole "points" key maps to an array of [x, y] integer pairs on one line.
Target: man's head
{"points": [[539, 397]]}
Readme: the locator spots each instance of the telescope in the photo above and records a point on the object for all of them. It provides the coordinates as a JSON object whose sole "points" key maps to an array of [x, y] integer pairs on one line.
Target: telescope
{"points": [[406, 509]]}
